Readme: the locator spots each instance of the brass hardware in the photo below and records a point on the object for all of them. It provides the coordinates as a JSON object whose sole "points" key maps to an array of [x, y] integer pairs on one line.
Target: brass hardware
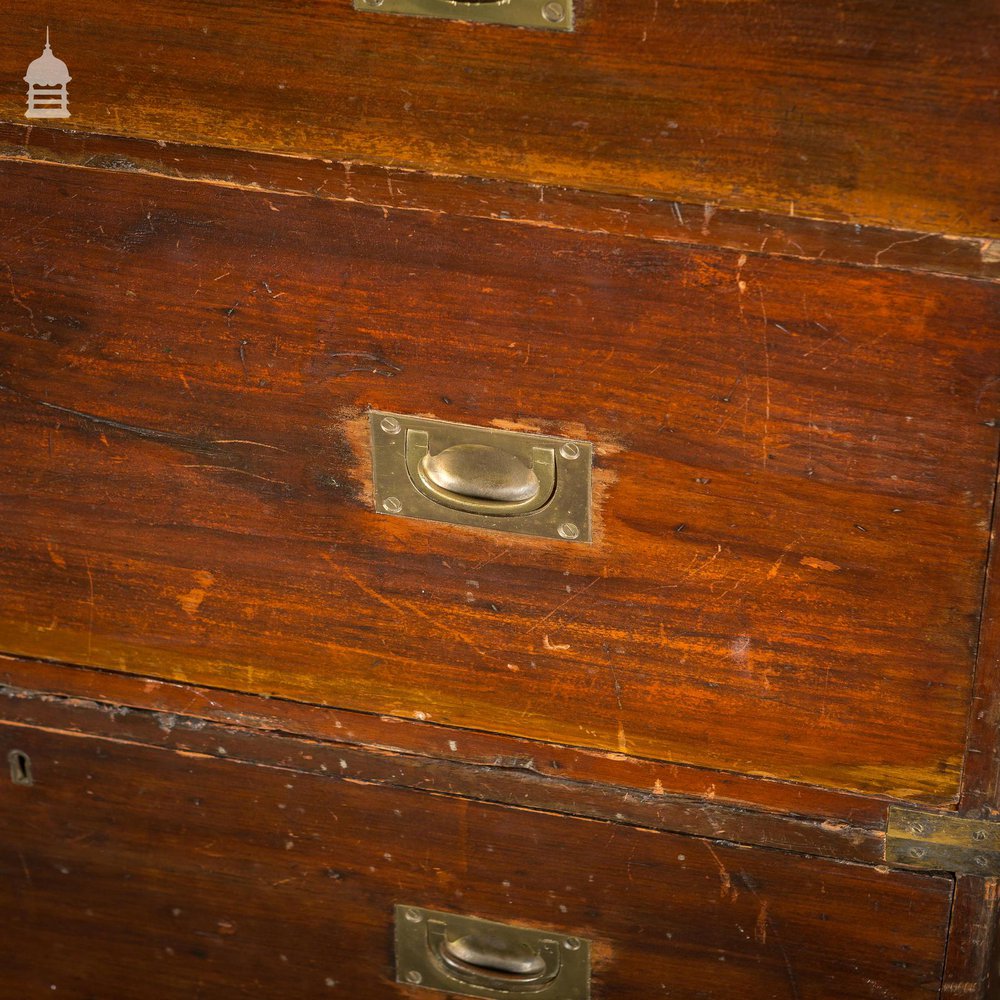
{"points": [[483, 473], [20, 768], [553, 15], [528, 484], [467, 956], [480, 478], [935, 841]]}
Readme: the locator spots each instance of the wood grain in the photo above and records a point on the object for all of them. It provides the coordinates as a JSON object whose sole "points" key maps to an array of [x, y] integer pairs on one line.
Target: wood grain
{"points": [[132, 872], [796, 465], [583, 211], [981, 774], [879, 113], [528, 782], [970, 966], [634, 778]]}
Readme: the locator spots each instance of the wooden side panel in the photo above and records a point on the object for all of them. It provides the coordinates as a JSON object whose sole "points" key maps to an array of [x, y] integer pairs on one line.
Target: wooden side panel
{"points": [[873, 112], [796, 465], [975, 921], [981, 775], [135, 873]]}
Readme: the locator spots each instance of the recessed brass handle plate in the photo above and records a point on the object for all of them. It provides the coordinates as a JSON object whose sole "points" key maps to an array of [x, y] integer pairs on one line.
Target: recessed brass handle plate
{"points": [[551, 15], [470, 957], [527, 484]]}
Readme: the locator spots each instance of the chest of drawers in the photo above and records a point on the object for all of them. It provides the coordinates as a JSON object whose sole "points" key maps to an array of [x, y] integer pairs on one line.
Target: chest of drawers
{"points": [[730, 729]]}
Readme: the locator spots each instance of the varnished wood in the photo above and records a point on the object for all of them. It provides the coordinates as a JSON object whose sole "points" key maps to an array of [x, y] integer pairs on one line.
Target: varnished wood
{"points": [[749, 250], [551, 206], [148, 873], [838, 811], [969, 971], [855, 835], [796, 466], [981, 775], [881, 113]]}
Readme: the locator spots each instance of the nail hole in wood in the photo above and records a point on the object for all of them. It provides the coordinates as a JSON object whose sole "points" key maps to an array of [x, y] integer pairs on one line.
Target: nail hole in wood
{"points": [[20, 767]]}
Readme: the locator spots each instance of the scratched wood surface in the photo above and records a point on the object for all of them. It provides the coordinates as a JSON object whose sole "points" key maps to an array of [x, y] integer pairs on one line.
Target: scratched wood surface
{"points": [[970, 968], [854, 830], [794, 475], [151, 874], [34, 684], [586, 211], [981, 774], [874, 112]]}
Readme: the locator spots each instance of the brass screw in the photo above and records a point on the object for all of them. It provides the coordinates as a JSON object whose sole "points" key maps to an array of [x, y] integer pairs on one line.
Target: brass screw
{"points": [[414, 977], [553, 12], [389, 424], [392, 505], [979, 835], [918, 852], [571, 944], [413, 916], [570, 450], [568, 530], [981, 861]]}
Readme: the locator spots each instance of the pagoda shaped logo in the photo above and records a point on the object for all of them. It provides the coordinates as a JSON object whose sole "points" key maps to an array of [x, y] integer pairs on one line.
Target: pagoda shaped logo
{"points": [[47, 78]]}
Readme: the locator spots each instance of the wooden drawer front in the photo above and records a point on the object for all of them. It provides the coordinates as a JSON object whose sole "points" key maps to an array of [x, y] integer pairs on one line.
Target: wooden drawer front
{"points": [[794, 475], [864, 111], [136, 872]]}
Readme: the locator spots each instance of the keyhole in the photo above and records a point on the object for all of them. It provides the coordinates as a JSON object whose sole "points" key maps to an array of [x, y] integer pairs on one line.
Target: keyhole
{"points": [[20, 768]]}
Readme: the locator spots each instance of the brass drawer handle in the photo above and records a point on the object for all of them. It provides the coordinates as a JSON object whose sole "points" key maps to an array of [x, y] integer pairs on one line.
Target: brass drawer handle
{"points": [[480, 472], [553, 15], [513, 481], [479, 478], [494, 960], [468, 956]]}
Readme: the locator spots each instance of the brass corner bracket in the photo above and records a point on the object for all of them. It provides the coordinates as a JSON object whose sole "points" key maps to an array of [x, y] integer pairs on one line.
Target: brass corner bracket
{"points": [[941, 841]]}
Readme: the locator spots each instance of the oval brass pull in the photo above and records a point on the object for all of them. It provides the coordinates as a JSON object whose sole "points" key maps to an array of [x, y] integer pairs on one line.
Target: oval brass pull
{"points": [[497, 961], [481, 473], [479, 478], [482, 954]]}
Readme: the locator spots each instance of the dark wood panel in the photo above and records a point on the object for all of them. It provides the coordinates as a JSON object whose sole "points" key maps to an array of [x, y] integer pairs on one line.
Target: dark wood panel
{"points": [[396, 187], [970, 966], [839, 811], [855, 834], [872, 112], [148, 873], [795, 470], [981, 775]]}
